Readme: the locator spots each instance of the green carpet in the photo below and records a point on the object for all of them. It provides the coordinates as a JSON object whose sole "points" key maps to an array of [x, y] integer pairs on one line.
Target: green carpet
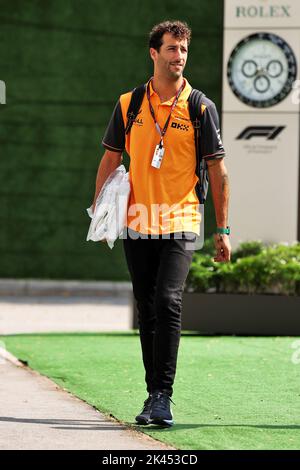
{"points": [[230, 392]]}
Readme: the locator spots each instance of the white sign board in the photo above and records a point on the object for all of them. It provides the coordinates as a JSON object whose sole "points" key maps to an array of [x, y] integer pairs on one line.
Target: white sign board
{"points": [[260, 118]]}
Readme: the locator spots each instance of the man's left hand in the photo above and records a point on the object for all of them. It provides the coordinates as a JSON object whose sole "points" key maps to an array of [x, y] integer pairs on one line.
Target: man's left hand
{"points": [[223, 247]]}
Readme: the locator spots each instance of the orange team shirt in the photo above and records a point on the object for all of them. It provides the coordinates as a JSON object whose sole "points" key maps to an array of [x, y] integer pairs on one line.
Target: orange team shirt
{"points": [[163, 200]]}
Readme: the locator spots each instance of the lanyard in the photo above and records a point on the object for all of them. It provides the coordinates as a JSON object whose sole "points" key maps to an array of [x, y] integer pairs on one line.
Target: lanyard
{"points": [[164, 129]]}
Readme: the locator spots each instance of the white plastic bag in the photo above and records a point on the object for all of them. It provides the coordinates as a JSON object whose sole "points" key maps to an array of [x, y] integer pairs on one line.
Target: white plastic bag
{"points": [[110, 213]]}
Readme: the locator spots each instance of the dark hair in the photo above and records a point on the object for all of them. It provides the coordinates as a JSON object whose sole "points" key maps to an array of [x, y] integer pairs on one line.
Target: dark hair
{"points": [[179, 29]]}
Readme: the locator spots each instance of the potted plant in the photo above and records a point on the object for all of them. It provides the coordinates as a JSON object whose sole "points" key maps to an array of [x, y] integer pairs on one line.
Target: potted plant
{"points": [[257, 293]]}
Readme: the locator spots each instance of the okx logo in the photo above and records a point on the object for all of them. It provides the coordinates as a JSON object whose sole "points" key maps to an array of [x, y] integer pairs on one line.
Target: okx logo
{"points": [[268, 132], [182, 127], [2, 92]]}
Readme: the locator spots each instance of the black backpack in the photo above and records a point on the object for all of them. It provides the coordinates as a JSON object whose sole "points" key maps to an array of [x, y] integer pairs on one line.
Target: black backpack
{"points": [[195, 101]]}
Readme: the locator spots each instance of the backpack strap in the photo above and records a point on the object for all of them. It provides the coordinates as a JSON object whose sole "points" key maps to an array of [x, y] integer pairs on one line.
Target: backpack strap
{"points": [[195, 102], [134, 106]]}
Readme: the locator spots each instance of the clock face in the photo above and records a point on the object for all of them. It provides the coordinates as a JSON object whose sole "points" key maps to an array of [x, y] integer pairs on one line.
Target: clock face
{"points": [[261, 70]]}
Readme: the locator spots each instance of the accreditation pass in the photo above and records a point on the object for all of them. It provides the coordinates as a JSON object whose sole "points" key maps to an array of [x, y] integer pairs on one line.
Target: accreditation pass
{"points": [[158, 155]]}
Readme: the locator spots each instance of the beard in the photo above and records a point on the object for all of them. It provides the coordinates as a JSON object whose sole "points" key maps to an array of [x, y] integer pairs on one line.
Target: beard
{"points": [[175, 72]]}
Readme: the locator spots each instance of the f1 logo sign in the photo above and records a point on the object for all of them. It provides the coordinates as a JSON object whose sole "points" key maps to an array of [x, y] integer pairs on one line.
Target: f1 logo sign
{"points": [[269, 132], [2, 92]]}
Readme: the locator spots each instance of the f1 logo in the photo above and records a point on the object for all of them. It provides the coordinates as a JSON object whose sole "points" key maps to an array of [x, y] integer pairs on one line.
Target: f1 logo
{"points": [[270, 132]]}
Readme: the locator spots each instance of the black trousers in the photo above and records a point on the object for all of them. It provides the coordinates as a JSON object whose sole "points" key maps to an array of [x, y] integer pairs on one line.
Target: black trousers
{"points": [[158, 269]]}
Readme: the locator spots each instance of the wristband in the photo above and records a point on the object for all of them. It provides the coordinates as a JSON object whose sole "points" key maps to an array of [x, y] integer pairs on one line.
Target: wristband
{"points": [[223, 230]]}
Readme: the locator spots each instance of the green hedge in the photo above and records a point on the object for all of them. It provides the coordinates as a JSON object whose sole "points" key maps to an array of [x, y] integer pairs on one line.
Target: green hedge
{"points": [[65, 63], [255, 268]]}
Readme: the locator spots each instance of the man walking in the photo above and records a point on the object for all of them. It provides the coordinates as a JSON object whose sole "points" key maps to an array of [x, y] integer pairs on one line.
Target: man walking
{"points": [[163, 206]]}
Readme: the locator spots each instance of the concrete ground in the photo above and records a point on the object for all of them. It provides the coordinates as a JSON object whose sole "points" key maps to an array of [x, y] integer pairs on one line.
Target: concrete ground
{"points": [[36, 314], [34, 412]]}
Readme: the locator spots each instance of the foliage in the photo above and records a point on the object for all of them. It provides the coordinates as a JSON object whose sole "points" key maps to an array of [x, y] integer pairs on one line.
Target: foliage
{"points": [[254, 268]]}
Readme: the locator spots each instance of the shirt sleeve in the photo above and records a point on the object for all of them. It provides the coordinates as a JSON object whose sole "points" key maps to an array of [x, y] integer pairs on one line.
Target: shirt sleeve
{"points": [[211, 143], [114, 137]]}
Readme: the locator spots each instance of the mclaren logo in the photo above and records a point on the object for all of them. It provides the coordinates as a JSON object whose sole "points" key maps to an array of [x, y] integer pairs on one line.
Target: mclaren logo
{"points": [[269, 132], [139, 121]]}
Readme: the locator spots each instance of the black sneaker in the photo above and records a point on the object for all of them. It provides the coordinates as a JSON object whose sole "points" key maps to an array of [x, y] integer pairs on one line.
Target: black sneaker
{"points": [[144, 416], [161, 412]]}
